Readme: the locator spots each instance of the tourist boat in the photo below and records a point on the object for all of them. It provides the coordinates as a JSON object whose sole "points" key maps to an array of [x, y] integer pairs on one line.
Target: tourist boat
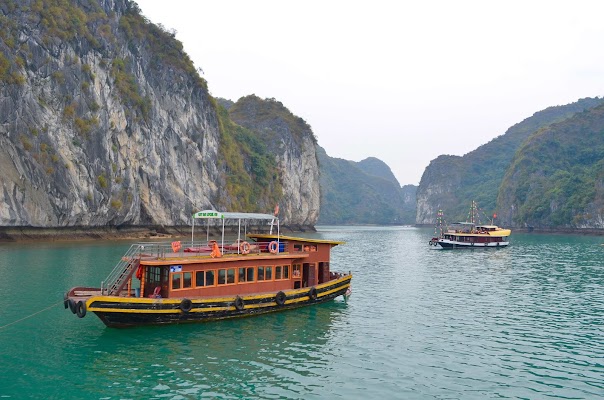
{"points": [[171, 283], [471, 234]]}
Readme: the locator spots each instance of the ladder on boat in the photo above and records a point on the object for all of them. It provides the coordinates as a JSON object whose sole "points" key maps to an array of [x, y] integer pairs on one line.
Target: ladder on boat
{"points": [[118, 278]]}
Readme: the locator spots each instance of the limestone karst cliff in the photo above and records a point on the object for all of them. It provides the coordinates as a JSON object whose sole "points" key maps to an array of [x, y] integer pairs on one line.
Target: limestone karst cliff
{"points": [[105, 121], [364, 192], [451, 183], [292, 142]]}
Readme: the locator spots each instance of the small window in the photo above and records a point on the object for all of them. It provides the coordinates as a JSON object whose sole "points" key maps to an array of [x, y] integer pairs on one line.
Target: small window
{"points": [[268, 273], [187, 278], [296, 271], [230, 275], [200, 278], [210, 278], [246, 274], [176, 280], [278, 272], [222, 276], [226, 276], [204, 278], [260, 273], [298, 247], [286, 272]]}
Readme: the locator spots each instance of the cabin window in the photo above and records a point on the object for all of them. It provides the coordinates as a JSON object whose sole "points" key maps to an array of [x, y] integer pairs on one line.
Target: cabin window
{"points": [[260, 273], [226, 276], [176, 280], [281, 272], [268, 273], [204, 278], [296, 271], [246, 274], [298, 247], [187, 278]]}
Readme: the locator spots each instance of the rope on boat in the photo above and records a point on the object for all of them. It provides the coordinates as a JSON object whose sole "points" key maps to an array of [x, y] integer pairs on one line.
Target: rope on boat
{"points": [[31, 315]]}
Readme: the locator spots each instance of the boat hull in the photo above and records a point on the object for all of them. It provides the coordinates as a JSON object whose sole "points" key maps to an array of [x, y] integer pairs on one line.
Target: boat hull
{"points": [[121, 312], [450, 244]]}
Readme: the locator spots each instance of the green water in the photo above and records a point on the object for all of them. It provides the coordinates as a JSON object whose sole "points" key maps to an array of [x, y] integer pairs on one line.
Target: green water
{"points": [[526, 322]]}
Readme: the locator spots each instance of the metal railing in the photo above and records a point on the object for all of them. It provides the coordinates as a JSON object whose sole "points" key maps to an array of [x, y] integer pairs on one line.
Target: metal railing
{"points": [[124, 269], [129, 262]]}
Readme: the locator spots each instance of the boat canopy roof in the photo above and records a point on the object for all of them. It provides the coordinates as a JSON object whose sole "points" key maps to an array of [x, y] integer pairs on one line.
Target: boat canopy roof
{"points": [[234, 216], [293, 238], [213, 214]]}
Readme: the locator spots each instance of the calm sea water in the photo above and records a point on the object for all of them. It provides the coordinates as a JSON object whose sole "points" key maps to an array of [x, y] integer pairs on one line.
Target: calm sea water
{"points": [[522, 322]]}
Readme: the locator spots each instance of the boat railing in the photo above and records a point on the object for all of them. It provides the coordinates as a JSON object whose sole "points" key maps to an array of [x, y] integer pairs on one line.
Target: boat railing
{"points": [[120, 274]]}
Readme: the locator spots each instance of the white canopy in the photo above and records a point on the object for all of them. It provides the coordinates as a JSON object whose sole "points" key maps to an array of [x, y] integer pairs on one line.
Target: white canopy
{"points": [[213, 214], [209, 214]]}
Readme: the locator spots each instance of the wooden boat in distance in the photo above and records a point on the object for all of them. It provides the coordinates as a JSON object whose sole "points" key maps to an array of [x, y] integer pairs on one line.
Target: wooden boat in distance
{"points": [[470, 234], [167, 283]]}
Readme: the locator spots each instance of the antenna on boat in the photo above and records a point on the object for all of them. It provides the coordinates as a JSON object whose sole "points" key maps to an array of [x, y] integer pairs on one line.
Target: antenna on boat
{"points": [[439, 223]]}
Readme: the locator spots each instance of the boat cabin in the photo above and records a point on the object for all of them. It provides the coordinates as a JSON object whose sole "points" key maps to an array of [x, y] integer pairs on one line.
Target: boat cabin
{"points": [[269, 266]]}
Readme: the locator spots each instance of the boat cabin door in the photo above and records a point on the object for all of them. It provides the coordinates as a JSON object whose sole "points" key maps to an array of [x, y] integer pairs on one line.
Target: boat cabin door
{"points": [[156, 277], [309, 275]]}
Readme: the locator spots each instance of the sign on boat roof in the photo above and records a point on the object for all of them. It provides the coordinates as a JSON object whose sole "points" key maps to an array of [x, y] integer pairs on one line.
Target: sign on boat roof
{"points": [[213, 214]]}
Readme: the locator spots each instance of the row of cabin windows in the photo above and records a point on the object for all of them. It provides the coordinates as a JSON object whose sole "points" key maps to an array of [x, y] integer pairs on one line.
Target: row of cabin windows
{"points": [[306, 248], [227, 276]]}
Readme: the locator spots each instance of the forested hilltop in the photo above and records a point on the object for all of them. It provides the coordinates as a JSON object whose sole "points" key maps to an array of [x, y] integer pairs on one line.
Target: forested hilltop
{"points": [[542, 173], [364, 192], [556, 179], [106, 122]]}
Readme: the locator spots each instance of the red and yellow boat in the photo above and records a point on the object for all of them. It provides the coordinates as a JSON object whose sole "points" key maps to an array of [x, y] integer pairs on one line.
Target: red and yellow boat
{"points": [[168, 283]]}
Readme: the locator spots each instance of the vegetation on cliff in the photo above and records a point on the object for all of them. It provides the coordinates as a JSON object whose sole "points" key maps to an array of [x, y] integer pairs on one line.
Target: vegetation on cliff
{"points": [[361, 193], [479, 174], [557, 177], [253, 179], [109, 123]]}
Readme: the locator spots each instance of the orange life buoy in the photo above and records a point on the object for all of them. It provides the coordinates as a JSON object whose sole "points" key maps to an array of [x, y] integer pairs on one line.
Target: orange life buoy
{"points": [[176, 246], [244, 247], [273, 247]]}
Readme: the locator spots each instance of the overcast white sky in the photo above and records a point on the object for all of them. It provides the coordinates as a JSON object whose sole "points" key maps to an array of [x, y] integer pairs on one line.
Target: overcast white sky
{"points": [[403, 81]]}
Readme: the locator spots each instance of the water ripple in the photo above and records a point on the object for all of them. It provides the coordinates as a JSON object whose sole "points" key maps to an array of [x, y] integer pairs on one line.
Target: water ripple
{"points": [[521, 322]]}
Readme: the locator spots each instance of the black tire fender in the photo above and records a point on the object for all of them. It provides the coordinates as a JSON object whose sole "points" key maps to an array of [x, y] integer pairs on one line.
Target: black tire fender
{"points": [[312, 294], [81, 309], [280, 298], [186, 305], [239, 303], [72, 305]]}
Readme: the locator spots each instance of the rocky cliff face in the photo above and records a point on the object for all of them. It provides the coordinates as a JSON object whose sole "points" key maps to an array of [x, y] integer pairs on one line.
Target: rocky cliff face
{"points": [[291, 141], [556, 180], [438, 187], [451, 183], [104, 121], [364, 192]]}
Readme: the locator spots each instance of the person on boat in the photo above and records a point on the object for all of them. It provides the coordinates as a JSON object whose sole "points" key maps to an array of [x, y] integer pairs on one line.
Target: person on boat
{"points": [[215, 250]]}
